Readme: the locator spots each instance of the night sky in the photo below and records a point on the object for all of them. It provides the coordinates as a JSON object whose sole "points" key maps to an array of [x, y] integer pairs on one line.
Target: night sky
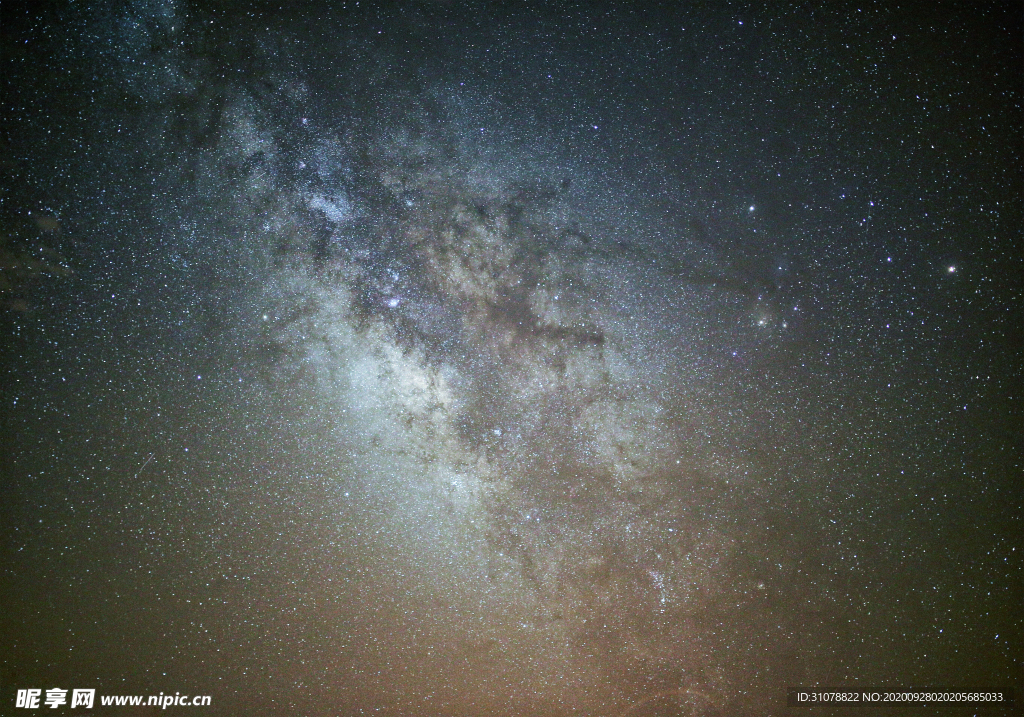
{"points": [[446, 358]]}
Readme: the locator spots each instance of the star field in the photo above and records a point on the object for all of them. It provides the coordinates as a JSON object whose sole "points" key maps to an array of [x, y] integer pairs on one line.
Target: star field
{"points": [[470, 359]]}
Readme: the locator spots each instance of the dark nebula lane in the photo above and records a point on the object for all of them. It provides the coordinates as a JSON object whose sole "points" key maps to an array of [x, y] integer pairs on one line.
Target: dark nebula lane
{"points": [[442, 358]]}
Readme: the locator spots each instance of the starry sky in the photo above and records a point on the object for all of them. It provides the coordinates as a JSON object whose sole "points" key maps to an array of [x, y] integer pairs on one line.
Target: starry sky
{"points": [[452, 358]]}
